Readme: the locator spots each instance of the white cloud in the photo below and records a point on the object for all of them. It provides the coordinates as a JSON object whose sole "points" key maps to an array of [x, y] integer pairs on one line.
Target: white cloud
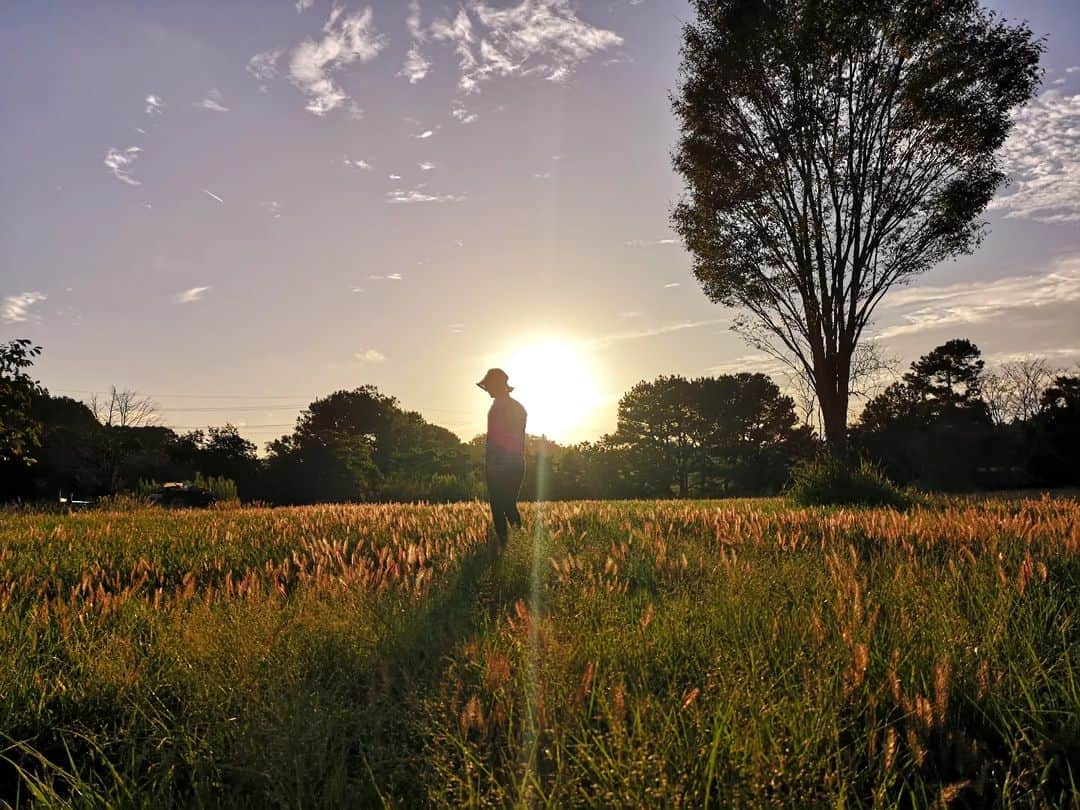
{"points": [[394, 176], [120, 161], [462, 114], [619, 337], [370, 356], [1073, 69], [416, 196], [191, 295], [16, 308], [426, 166], [541, 175], [212, 102], [749, 363], [671, 285], [412, 21], [963, 304], [273, 208], [303, 5], [427, 133], [650, 242], [416, 65], [154, 105], [349, 37], [355, 289], [390, 277], [545, 38], [212, 195], [1043, 156], [358, 164], [263, 66]]}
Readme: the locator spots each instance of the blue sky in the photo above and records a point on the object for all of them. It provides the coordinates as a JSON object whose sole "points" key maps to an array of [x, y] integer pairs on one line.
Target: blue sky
{"points": [[236, 207]]}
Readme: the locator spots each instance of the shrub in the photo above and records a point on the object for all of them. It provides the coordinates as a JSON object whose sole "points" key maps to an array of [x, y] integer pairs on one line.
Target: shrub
{"points": [[222, 488], [827, 480]]}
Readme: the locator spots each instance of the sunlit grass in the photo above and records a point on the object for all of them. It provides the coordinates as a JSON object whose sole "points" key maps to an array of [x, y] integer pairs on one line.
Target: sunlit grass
{"points": [[618, 654]]}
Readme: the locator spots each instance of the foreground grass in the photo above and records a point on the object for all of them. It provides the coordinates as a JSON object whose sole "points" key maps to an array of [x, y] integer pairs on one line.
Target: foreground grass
{"points": [[630, 654]]}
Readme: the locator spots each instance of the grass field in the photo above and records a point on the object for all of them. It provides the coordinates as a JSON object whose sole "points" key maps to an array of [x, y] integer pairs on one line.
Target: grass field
{"points": [[736, 653]]}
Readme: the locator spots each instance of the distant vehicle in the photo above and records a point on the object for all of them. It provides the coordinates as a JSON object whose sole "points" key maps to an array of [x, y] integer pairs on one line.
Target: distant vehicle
{"points": [[178, 495], [71, 502]]}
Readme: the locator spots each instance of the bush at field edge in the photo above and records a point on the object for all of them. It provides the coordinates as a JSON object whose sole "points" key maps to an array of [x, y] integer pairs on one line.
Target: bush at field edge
{"points": [[831, 481]]}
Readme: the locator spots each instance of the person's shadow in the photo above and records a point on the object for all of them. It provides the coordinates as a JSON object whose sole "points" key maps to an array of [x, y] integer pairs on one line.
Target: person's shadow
{"points": [[411, 665]]}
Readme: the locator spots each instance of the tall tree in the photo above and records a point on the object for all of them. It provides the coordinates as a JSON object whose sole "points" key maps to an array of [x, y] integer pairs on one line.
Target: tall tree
{"points": [[20, 432], [833, 149]]}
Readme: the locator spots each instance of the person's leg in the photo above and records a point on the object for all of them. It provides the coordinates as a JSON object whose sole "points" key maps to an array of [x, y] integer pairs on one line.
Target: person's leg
{"points": [[497, 499], [513, 491]]}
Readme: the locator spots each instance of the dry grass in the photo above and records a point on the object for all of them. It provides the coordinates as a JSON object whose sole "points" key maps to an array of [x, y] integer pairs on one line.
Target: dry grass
{"points": [[630, 654]]}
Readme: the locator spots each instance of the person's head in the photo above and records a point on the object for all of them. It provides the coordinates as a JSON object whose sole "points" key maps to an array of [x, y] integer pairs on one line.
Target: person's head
{"points": [[496, 383]]}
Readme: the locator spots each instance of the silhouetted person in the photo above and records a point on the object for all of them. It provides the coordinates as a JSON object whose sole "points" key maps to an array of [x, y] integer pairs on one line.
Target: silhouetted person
{"points": [[505, 456]]}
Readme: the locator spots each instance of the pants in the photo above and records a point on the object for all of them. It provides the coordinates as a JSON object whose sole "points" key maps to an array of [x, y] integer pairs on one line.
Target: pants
{"points": [[503, 483]]}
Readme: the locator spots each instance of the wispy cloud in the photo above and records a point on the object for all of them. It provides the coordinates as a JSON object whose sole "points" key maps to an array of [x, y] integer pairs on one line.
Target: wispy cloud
{"points": [[423, 136], [358, 164], [212, 195], [16, 308], [750, 363], [263, 66], [348, 37], [416, 65], [154, 105], [370, 356], [426, 166], [671, 285], [463, 115], [1043, 156], [273, 208], [191, 295], [544, 38], [389, 277], [651, 242], [956, 305], [212, 102], [120, 161], [619, 337], [303, 5], [398, 196]]}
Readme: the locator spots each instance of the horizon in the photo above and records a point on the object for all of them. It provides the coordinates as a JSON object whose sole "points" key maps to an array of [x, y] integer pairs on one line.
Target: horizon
{"points": [[235, 220]]}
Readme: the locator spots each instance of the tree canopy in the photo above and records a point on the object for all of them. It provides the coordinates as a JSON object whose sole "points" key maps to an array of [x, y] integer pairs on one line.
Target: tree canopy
{"points": [[833, 149]]}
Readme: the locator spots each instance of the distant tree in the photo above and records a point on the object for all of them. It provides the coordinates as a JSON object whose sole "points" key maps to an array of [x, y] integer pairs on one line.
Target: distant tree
{"points": [[709, 435], [660, 427], [1014, 391], [1055, 451], [933, 426], [750, 433], [124, 408], [360, 445], [20, 432], [832, 150]]}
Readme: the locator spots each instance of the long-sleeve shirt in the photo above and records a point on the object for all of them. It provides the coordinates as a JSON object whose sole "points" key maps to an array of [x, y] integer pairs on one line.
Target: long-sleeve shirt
{"points": [[506, 431]]}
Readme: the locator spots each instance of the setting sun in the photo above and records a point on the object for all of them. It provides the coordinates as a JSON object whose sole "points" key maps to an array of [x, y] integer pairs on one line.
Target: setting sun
{"points": [[553, 380]]}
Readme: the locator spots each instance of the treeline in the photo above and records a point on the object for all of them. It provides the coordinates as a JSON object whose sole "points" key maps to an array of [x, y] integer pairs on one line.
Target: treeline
{"points": [[948, 424]]}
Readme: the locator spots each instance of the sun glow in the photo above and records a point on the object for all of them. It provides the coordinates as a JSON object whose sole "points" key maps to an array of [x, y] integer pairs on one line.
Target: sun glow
{"points": [[553, 380]]}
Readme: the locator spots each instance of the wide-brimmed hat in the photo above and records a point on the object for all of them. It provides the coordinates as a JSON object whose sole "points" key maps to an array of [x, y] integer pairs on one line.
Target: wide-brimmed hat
{"points": [[497, 377]]}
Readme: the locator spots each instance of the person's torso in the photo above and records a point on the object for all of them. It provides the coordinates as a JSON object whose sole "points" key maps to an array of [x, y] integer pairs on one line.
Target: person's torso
{"points": [[506, 430]]}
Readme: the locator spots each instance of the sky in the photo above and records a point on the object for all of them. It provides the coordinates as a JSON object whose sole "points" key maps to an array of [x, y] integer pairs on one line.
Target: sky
{"points": [[235, 208]]}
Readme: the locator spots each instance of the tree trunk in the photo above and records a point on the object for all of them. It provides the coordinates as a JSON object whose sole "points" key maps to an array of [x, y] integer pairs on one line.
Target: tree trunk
{"points": [[833, 396]]}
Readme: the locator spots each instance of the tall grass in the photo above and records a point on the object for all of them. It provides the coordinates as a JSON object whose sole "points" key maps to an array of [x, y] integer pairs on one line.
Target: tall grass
{"points": [[631, 654]]}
